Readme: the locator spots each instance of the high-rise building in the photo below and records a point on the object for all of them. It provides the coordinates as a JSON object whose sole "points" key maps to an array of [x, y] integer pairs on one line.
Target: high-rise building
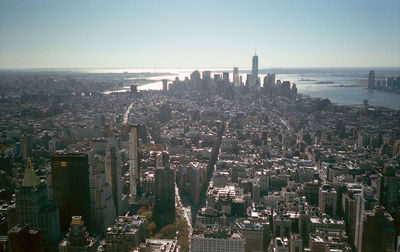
{"points": [[389, 190], [164, 206], [34, 208], [365, 201], [133, 163], [102, 205], [26, 146], [378, 233], [236, 78], [70, 178], [254, 68], [113, 174], [371, 79], [78, 239], [269, 82]]}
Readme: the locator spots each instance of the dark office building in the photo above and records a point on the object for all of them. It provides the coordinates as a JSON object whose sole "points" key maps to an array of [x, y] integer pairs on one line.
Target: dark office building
{"points": [[377, 231], [21, 239], [165, 192], [70, 177]]}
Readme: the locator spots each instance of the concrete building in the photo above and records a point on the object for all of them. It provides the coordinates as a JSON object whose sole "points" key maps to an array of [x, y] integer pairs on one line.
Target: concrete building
{"points": [[158, 245], [327, 200], [216, 240], [127, 233], [113, 175], [34, 208], [253, 233], [102, 205], [133, 163]]}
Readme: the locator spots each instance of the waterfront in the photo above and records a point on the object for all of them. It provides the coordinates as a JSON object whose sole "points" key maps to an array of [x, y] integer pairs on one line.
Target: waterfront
{"points": [[343, 87]]}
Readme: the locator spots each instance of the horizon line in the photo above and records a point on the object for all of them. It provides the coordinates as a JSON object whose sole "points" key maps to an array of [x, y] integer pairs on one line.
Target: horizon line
{"points": [[198, 67]]}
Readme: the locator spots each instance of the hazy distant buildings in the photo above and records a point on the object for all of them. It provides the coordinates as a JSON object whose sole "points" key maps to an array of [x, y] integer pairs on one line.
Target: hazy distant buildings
{"points": [[225, 76], [269, 83], [371, 79], [165, 85], [236, 77], [206, 75], [70, 179], [133, 89], [254, 67]]}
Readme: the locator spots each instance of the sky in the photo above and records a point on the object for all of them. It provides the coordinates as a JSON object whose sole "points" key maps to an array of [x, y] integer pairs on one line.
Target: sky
{"points": [[189, 33]]}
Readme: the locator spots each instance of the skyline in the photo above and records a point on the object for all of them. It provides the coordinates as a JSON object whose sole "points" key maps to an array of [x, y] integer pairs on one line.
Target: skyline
{"points": [[156, 34]]}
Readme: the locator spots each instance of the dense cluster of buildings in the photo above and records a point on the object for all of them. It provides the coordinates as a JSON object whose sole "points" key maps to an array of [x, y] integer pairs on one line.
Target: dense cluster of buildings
{"points": [[248, 165], [391, 83]]}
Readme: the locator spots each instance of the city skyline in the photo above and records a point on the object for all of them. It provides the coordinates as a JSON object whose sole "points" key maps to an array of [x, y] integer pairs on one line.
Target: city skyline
{"points": [[155, 34]]}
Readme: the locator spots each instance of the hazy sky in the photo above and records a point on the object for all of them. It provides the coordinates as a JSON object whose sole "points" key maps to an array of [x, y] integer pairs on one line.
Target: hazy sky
{"points": [[218, 33]]}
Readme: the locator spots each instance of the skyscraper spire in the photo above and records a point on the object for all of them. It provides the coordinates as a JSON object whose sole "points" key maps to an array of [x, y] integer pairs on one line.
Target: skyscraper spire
{"points": [[30, 179]]}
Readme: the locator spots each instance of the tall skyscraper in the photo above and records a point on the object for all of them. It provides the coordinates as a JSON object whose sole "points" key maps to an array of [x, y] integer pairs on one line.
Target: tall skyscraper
{"points": [[70, 178], [164, 206], [254, 68], [34, 208], [371, 79], [365, 201], [236, 78], [389, 190], [133, 163], [378, 233], [102, 204], [252, 78], [113, 173]]}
